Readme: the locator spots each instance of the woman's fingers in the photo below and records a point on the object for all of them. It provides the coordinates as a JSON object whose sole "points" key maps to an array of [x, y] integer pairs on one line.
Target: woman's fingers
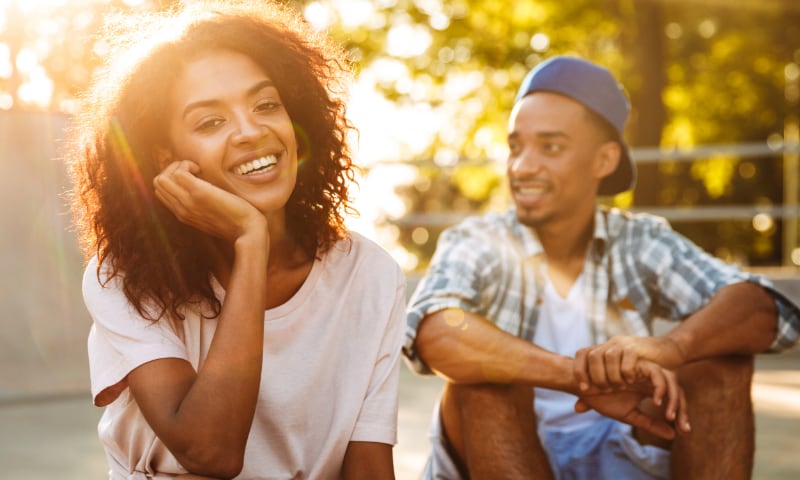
{"points": [[203, 205], [174, 196]]}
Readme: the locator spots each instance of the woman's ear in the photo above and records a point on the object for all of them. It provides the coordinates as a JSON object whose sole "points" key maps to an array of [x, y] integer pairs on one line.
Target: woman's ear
{"points": [[162, 156], [607, 159]]}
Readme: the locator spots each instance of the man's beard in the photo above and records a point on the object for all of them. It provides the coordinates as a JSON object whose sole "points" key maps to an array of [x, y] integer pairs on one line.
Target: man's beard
{"points": [[530, 219]]}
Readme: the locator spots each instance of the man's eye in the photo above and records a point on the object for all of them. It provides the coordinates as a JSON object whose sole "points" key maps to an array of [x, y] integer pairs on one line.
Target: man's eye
{"points": [[552, 148]]}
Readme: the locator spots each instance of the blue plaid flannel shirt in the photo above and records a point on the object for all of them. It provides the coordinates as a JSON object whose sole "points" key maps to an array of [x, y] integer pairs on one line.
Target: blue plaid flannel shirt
{"points": [[637, 270]]}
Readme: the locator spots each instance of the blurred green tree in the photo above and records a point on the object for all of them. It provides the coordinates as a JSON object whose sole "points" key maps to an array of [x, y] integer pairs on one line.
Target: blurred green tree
{"points": [[697, 71]]}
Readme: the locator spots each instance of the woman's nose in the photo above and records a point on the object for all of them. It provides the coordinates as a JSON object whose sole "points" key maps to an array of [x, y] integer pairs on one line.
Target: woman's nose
{"points": [[248, 129]]}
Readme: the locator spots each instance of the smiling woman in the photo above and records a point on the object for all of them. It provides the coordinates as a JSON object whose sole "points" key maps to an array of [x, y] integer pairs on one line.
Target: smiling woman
{"points": [[212, 168], [223, 99]]}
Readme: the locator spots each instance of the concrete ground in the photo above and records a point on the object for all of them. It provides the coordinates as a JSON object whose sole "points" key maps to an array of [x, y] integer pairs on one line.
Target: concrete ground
{"points": [[53, 437]]}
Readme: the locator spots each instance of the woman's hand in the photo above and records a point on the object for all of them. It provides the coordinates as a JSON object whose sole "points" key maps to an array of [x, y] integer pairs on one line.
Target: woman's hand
{"points": [[204, 206], [191, 476]]}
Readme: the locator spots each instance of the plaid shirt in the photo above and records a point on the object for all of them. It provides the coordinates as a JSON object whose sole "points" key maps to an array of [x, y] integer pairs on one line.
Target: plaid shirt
{"points": [[637, 270]]}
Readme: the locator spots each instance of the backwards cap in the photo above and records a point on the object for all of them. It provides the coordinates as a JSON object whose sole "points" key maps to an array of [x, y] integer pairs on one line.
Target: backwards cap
{"points": [[598, 90]]}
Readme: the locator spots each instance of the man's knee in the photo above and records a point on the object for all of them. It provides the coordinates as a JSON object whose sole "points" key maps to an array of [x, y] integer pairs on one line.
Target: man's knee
{"points": [[487, 412], [721, 412], [489, 399], [718, 376], [491, 431], [479, 409]]}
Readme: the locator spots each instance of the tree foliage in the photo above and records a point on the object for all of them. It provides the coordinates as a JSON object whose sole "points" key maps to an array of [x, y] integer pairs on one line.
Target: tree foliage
{"points": [[697, 72]]}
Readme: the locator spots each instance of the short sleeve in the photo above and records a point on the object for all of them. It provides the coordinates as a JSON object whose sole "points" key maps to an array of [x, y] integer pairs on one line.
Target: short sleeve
{"points": [[676, 273], [377, 419], [120, 339], [454, 280], [687, 277]]}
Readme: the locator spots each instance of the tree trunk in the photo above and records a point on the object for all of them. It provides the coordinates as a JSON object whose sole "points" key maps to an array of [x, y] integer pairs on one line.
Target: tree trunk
{"points": [[648, 114]]}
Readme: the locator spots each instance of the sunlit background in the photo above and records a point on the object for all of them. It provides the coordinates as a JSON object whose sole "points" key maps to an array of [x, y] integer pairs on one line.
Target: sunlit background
{"points": [[714, 84], [434, 82]]}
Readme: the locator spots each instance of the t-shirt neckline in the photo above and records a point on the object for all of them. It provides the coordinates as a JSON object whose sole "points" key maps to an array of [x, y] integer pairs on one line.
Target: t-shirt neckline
{"points": [[294, 302]]}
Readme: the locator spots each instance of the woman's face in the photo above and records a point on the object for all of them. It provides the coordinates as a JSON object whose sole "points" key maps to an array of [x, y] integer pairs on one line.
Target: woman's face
{"points": [[226, 115]]}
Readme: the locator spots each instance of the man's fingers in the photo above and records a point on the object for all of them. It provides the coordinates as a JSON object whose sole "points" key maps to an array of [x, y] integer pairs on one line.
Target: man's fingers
{"points": [[656, 426], [628, 365], [579, 369], [683, 415], [657, 379], [612, 359], [597, 368], [676, 401], [581, 406]]}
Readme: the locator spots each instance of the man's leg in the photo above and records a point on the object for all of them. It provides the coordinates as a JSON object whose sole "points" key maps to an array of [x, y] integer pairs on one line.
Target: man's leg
{"points": [[721, 444], [492, 431]]}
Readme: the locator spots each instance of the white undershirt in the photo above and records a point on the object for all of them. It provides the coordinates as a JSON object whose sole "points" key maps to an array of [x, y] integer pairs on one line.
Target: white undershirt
{"points": [[563, 328]]}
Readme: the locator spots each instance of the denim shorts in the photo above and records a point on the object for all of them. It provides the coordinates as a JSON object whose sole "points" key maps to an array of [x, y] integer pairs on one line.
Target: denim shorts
{"points": [[606, 449]]}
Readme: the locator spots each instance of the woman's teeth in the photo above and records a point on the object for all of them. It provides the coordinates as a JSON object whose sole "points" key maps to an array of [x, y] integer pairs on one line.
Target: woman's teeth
{"points": [[258, 165]]}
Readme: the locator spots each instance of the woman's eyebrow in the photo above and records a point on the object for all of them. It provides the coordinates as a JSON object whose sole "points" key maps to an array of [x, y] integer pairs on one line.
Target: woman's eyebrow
{"points": [[210, 102]]}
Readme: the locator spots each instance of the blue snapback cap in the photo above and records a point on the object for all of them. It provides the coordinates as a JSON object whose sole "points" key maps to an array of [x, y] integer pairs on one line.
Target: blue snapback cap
{"points": [[598, 90]]}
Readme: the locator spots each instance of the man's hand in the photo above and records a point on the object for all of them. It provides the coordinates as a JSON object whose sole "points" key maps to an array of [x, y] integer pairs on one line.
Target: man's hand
{"points": [[615, 363], [622, 402]]}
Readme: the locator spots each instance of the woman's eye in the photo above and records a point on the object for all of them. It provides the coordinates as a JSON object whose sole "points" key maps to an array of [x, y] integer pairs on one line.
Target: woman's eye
{"points": [[267, 106], [208, 124]]}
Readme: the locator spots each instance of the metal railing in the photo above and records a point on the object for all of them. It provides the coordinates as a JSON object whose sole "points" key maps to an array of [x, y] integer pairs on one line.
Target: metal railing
{"points": [[788, 211]]}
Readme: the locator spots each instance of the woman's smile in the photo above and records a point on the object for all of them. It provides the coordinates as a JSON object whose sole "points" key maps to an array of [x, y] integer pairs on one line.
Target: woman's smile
{"points": [[227, 116]]}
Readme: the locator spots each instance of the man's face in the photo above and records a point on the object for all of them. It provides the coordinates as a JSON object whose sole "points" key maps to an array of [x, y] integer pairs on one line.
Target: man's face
{"points": [[554, 163]]}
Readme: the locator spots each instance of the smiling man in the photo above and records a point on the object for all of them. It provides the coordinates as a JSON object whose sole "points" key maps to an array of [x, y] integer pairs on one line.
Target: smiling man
{"points": [[546, 310]]}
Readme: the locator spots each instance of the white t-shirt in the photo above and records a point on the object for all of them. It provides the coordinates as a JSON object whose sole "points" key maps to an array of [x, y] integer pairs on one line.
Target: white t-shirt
{"points": [[563, 328], [330, 370]]}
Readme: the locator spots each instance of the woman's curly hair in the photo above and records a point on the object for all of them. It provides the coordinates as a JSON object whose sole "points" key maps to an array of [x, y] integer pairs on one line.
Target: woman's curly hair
{"points": [[162, 263]]}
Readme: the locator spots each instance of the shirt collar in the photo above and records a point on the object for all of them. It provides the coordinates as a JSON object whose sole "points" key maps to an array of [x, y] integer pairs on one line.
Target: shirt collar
{"points": [[528, 240], [601, 235], [532, 247]]}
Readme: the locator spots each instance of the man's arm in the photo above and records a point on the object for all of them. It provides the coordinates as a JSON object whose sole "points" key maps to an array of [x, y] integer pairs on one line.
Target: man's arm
{"points": [[466, 348], [741, 319]]}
